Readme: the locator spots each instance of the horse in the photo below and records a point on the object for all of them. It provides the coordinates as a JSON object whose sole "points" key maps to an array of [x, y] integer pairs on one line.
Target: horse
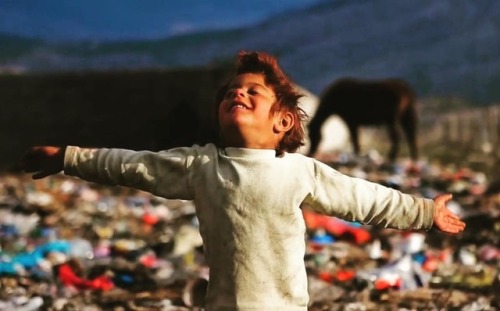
{"points": [[390, 102]]}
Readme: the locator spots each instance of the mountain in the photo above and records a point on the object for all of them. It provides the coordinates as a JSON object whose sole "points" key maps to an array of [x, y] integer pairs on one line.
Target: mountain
{"points": [[443, 48]]}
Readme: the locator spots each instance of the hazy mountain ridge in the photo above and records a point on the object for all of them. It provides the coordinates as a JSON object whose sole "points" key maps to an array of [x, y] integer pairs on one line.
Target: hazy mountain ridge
{"points": [[442, 47], [12, 45]]}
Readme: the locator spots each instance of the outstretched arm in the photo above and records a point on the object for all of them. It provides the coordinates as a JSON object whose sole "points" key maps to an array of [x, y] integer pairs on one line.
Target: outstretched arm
{"points": [[444, 219], [43, 161], [161, 173], [355, 199]]}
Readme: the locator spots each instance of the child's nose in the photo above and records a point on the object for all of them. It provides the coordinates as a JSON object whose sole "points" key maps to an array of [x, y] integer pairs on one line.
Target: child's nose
{"points": [[240, 93]]}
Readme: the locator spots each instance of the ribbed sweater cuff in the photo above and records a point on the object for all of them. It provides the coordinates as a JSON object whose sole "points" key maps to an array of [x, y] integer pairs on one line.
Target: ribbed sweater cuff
{"points": [[69, 159], [428, 210]]}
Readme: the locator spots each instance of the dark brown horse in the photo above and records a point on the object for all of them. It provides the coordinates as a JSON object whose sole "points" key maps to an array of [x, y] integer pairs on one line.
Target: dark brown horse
{"points": [[389, 102]]}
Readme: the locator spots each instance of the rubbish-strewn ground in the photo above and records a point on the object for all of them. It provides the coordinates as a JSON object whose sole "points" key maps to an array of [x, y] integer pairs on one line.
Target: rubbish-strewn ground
{"points": [[71, 245]]}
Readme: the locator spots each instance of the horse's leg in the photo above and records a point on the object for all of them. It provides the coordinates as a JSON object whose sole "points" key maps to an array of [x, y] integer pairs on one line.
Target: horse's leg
{"points": [[353, 135], [314, 132], [394, 136], [314, 127], [314, 138], [409, 126]]}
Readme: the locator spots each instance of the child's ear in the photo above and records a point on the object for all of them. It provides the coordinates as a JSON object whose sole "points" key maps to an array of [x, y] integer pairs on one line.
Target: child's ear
{"points": [[285, 122]]}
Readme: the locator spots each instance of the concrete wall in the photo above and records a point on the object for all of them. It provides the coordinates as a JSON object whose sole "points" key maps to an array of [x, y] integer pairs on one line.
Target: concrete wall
{"points": [[132, 109]]}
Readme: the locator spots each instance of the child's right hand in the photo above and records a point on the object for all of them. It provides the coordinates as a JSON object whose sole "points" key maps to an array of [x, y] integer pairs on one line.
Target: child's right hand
{"points": [[444, 219], [43, 161]]}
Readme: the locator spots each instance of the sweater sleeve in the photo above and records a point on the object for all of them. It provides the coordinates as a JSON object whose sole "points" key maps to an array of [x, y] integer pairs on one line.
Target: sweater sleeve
{"points": [[356, 199], [165, 173]]}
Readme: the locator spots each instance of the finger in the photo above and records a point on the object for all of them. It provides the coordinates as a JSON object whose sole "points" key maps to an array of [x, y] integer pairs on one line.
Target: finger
{"points": [[457, 221], [457, 229], [452, 229], [31, 170], [444, 197], [30, 167], [456, 225], [450, 225], [40, 175], [460, 226], [452, 215], [447, 214], [454, 220]]}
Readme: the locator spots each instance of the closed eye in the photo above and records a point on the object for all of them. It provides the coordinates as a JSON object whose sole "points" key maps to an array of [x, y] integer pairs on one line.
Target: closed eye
{"points": [[253, 92]]}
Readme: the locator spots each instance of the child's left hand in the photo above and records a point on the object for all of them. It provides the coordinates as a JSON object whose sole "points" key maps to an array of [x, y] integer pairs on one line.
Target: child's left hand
{"points": [[445, 220]]}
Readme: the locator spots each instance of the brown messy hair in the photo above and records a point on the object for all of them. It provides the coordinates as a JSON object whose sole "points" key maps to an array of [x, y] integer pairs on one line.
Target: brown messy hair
{"points": [[287, 96]]}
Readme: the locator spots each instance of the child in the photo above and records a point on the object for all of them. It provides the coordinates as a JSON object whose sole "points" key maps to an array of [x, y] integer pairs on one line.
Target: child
{"points": [[248, 190]]}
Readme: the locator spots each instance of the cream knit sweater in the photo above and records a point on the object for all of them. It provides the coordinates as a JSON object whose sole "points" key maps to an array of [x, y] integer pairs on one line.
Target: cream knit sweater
{"points": [[248, 202]]}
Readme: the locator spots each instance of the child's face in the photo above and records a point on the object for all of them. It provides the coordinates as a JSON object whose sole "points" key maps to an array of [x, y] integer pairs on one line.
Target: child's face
{"points": [[245, 116]]}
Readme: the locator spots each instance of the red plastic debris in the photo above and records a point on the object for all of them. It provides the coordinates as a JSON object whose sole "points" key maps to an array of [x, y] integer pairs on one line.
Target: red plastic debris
{"points": [[68, 277], [150, 219], [382, 284], [148, 260], [325, 276], [335, 226], [345, 275]]}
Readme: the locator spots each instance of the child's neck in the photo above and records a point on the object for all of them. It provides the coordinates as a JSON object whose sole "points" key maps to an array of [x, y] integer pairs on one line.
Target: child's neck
{"points": [[265, 146]]}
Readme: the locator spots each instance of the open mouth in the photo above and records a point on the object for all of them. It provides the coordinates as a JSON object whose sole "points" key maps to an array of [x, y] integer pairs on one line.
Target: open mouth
{"points": [[238, 105]]}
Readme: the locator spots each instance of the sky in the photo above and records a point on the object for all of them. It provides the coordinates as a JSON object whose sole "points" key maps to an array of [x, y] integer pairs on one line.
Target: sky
{"points": [[132, 19]]}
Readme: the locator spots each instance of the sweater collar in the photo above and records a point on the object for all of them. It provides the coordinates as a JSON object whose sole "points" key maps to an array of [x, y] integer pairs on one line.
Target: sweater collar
{"points": [[249, 153]]}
